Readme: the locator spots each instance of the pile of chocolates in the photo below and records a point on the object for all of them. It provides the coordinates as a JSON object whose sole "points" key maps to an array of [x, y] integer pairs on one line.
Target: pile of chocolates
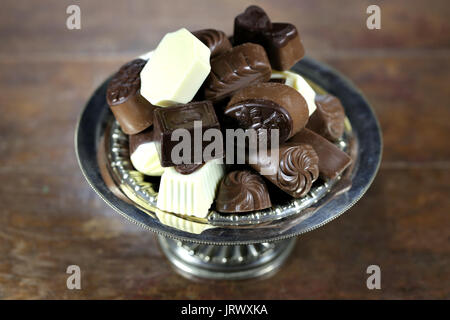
{"points": [[221, 82]]}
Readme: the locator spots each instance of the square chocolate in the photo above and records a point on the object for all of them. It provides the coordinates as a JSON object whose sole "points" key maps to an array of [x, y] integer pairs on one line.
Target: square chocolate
{"points": [[183, 116], [283, 45]]}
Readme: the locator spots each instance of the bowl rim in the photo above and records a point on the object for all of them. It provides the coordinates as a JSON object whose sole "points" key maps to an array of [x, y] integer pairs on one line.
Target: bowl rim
{"points": [[92, 121]]}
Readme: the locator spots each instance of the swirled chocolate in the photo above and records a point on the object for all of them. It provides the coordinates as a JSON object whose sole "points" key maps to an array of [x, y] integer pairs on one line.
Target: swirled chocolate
{"points": [[269, 105], [217, 41], [332, 160], [328, 119], [130, 109], [238, 68], [283, 46], [250, 25], [242, 191], [293, 171]]}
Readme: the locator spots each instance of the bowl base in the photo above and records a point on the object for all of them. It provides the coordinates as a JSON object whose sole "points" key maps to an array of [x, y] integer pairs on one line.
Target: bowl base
{"points": [[226, 262]]}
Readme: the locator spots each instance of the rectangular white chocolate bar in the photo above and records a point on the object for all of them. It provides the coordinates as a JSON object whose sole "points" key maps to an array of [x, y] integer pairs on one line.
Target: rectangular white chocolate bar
{"points": [[176, 70], [190, 194], [297, 82]]}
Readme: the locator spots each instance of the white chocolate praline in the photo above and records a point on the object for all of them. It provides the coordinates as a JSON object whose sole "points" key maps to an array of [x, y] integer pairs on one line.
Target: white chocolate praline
{"points": [[177, 69], [190, 194], [145, 159], [297, 82]]}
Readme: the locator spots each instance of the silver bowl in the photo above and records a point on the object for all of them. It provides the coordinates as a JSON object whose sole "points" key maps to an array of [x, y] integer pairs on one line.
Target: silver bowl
{"points": [[235, 246]]}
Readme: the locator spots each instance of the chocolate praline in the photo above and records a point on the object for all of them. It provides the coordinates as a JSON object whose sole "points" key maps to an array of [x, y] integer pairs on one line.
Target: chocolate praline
{"points": [[217, 41], [294, 172], [283, 45], [168, 120], [328, 119], [133, 112], [242, 191], [332, 160], [238, 68], [269, 105], [250, 25]]}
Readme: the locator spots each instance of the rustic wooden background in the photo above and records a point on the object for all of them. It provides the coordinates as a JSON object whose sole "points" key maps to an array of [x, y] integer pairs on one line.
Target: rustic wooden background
{"points": [[50, 218]]}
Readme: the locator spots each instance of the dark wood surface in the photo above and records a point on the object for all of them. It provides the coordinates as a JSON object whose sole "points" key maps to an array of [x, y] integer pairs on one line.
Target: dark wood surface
{"points": [[50, 218]]}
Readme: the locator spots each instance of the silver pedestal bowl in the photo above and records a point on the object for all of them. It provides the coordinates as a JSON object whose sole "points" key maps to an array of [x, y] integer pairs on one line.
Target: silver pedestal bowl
{"points": [[233, 246]]}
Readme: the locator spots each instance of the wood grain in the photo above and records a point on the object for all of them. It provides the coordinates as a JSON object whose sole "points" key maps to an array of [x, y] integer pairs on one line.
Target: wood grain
{"points": [[120, 27], [50, 218]]}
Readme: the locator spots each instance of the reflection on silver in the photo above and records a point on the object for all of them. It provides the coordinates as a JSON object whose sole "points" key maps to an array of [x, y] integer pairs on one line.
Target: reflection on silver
{"points": [[232, 262]]}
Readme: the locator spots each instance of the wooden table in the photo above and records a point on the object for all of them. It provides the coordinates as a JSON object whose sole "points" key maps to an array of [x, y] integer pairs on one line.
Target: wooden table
{"points": [[50, 218]]}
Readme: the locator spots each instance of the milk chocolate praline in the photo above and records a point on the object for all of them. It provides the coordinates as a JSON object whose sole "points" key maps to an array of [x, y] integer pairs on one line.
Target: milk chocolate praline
{"points": [[238, 68], [283, 46], [294, 172], [130, 109], [328, 119], [242, 191], [261, 114], [332, 160], [290, 115], [217, 41]]}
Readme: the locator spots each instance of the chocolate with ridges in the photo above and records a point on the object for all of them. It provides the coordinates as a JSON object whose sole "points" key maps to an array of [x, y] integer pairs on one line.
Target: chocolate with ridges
{"points": [[242, 191], [328, 120], [283, 46], [190, 194], [296, 170], [183, 116], [217, 41], [332, 160], [238, 68], [130, 109], [269, 105], [250, 25]]}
